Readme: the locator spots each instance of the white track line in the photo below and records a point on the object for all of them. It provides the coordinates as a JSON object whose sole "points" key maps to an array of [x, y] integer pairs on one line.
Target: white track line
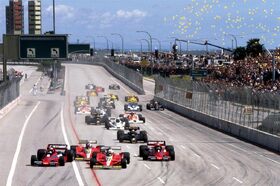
{"points": [[76, 170], [147, 166], [196, 155], [183, 147], [215, 166], [14, 162], [161, 180], [237, 180]]}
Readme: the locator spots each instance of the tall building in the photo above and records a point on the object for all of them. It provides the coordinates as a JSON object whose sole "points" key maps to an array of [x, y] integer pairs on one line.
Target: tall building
{"points": [[15, 17], [34, 17]]}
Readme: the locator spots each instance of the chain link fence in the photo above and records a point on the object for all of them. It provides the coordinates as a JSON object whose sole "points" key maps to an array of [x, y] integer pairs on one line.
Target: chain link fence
{"points": [[9, 91], [260, 111], [134, 79]]}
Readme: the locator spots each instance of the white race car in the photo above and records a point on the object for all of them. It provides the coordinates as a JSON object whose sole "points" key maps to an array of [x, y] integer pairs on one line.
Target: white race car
{"points": [[117, 123], [133, 118], [133, 107]]}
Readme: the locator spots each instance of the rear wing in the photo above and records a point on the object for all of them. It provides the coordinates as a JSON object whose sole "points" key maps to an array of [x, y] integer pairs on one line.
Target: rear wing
{"points": [[103, 148], [88, 141], [57, 146], [134, 127], [155, 142]]}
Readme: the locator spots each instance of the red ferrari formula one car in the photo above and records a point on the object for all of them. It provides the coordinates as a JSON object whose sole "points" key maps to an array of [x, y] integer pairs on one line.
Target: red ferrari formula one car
{"points": [[108, 159], [85, 150], [157, 150], [54, 155]]}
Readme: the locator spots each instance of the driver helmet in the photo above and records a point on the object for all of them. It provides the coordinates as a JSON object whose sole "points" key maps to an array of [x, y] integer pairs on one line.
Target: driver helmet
{"points": [[109, 152], [158, 148], [50, 150], [88, 145], [117, 120]]}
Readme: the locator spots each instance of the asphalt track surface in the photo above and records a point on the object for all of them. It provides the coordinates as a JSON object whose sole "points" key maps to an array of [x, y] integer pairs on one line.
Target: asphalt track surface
{"points": [[203, 156]]}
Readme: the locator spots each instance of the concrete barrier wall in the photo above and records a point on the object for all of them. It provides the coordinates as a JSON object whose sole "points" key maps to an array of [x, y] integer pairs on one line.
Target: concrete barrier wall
{"points": [[264, 139], [134, 87]]}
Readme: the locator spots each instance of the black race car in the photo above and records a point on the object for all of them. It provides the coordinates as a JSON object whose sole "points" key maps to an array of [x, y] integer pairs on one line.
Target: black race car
{"points": [[134, 135], [154, 105], [114, 87], [96, 119]]}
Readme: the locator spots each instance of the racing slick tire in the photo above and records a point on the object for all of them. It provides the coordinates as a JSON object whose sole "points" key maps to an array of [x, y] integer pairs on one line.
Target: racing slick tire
{"points": [[121, 115], [107, 125], [120, 135], [41, 153], [125, 98], [125, 107], [126, 125], [126, 155], [148, 106], [61, 161], [142, 148], [70, 155], [92, 162], [145, 154], [170, 149], [144, 136], [141, 118], [140, 108], [33, 159], [73, 149], [87, 120], [124, 163]]}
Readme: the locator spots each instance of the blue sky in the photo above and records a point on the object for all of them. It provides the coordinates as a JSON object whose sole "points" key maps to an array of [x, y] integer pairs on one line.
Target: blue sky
{"points": [[198, 20]]}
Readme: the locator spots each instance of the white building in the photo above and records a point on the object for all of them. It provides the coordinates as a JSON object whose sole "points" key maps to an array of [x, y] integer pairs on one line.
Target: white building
{"points": [[34, 17]]}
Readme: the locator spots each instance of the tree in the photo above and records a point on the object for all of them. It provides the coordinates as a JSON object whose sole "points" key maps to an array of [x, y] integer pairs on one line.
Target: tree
{"points": [[239, 53], [254, 48]]}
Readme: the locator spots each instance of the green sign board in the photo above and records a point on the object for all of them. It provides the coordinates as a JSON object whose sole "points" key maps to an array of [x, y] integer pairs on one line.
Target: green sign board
{"points": [[78, 48], [199, 73], [43, 46]]}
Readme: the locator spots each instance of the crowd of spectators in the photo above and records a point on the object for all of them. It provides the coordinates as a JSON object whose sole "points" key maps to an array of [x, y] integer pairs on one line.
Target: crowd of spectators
{"points": [[255, 73]]}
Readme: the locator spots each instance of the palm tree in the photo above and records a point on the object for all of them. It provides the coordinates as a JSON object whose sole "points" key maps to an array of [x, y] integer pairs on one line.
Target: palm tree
{"points": [[254, 48], [239, 53]]}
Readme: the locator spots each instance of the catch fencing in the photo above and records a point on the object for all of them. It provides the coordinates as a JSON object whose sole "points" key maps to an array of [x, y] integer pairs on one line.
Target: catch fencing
{"points": [[259, 111], [9, 91]]}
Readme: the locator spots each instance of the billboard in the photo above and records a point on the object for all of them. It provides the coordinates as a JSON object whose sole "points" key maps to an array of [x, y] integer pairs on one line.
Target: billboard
{"points": [[43, 47]]}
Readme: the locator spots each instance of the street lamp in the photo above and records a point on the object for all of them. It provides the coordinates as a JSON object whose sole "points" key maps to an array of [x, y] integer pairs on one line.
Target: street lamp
{"points": [[121, 39], [106, 41], [176, 39], [146, 41], [235, 39], [53, 16], [151, 42], [159, 43]]}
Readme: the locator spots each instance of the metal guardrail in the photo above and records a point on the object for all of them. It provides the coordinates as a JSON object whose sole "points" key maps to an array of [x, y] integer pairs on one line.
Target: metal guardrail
{"points": [[9, 91], [258, 111]]}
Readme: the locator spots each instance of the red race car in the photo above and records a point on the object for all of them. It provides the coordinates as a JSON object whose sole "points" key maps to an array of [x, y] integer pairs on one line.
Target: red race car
{"points": [[85, 150], [157, 150], [99, 89], [108, 159], [54, 155]]}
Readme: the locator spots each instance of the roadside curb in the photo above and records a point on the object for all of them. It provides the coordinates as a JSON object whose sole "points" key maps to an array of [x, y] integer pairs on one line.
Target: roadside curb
{"points": [[4, 111], [149, 79]]}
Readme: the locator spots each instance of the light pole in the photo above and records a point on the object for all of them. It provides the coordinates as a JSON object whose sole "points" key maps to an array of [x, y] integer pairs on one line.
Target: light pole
{"points": [[159, 43], [106, 41], [54, 16], [146, 41], [151, 42], [121, 39], [235, 39]]}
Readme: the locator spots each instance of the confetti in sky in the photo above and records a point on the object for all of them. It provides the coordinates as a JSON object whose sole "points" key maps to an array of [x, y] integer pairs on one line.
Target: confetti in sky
{"points": [[224, 19]]}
